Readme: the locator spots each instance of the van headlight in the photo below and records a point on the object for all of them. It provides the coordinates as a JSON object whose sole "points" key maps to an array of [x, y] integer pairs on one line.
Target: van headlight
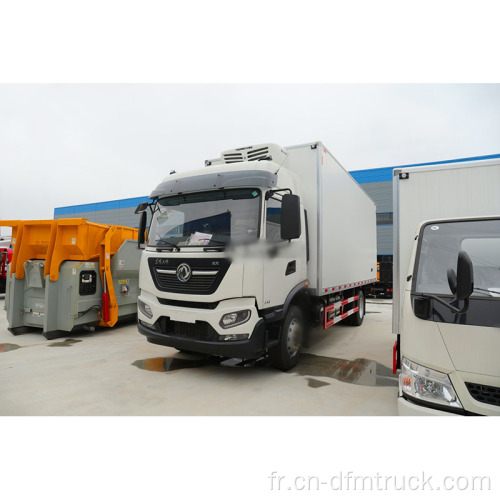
{"points": [[235, 318], [428, 385]]}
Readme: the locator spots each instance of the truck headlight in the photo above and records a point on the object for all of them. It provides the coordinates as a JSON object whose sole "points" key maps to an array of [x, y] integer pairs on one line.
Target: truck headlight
{"points": [[235, 318], [426, 384], [145, 309]]}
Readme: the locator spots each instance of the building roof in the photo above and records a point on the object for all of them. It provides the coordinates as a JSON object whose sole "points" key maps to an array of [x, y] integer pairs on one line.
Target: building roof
{"points": [[104, 205]]}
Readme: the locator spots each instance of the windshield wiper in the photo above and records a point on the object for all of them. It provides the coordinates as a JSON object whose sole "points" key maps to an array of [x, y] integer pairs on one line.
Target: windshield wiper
{"points": [[487, 291], [218, 242], [160, 248], [218, 247]]}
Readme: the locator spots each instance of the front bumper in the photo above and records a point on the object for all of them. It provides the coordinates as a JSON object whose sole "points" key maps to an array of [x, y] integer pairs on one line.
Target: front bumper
{"points": [[408, 408], [253, 348], [198, 329]]}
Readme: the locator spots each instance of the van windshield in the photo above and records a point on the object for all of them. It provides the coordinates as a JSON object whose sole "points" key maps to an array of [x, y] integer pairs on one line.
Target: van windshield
{"points": [[440, 244], [211, 218]]}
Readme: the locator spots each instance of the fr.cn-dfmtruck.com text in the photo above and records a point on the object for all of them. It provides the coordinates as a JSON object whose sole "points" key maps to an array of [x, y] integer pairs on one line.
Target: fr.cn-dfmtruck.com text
{"points": [[349, 481]]}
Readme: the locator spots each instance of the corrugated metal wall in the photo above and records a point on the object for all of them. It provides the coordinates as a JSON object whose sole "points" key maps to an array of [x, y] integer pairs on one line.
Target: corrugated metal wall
{"points": [[117, 212], [381, 194], [384, 239], [117, 216]]}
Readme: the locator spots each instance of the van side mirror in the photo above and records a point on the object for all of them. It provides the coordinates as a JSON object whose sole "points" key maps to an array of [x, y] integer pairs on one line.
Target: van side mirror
{"points": [[290, 217], [461, 283], [142, 229], [465, 277], [452, 280]]}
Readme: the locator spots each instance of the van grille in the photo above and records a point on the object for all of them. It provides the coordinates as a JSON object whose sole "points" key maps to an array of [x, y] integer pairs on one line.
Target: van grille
{"points": [[484, 393], [206, 275]]}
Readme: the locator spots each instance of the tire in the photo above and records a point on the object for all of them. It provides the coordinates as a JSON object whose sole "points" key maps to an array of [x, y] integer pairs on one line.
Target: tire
{"points": [[356, 319], [285, 355]]}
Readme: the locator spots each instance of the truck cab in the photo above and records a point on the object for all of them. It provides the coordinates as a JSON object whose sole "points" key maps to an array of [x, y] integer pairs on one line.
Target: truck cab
{"points": [[226, 250], [450, 322]]}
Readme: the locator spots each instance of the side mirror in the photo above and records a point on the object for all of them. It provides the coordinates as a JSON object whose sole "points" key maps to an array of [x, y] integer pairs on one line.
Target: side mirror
{"points": [[141, 207], [461, 285], [290, 217], [142, 228], [465, 277]]}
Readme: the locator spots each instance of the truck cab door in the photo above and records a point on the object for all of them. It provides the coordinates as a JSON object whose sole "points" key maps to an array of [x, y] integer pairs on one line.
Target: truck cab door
{"points": [[285, 261]]}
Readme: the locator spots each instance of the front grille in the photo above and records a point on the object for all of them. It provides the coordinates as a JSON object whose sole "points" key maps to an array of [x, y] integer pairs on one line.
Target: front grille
{"points": [[185, 303], [190, 331], [196, 283], [206, 275], [484, 393]]}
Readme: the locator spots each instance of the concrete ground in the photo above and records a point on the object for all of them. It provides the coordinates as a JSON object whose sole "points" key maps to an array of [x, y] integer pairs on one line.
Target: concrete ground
{"points": [[345, 371]]}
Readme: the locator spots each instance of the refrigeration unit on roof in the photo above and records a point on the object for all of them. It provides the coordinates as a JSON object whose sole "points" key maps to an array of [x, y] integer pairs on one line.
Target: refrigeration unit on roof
{"points": [[270, 152]]}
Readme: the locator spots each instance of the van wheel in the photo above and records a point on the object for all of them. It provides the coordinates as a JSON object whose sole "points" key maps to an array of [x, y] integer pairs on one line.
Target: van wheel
{"points": [[285, 355], [357, 318]]}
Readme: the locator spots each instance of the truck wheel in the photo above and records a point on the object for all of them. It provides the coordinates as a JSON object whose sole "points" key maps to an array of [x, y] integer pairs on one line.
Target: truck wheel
{"points": [[285, 355], [357, 318]]}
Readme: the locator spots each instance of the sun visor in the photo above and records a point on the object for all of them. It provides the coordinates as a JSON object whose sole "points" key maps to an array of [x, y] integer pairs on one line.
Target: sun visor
{"points": [[235, 179]]}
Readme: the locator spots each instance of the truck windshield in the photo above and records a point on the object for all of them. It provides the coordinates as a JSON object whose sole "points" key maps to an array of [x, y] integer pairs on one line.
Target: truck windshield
{"points": [[439, 247], [211, 218]]}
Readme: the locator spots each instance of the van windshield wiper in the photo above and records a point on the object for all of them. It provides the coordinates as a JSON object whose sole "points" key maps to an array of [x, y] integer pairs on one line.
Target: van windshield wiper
{"points": [[488, 291]]}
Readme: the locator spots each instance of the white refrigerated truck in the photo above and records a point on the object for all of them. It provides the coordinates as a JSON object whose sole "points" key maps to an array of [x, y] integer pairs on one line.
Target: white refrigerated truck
{"points": [[244, 255], [446, 310]]}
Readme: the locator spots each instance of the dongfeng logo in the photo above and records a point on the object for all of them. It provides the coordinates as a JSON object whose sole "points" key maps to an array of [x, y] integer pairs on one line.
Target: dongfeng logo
{"points": [[183, 273]]}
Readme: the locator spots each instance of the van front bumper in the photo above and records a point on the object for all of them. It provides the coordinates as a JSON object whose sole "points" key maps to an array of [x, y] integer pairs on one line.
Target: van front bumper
{"points": [[407, 408]]}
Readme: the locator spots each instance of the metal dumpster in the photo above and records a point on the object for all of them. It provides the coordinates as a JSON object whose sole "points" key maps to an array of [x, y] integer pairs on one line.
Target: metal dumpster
{"points": [[69, 274]]}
